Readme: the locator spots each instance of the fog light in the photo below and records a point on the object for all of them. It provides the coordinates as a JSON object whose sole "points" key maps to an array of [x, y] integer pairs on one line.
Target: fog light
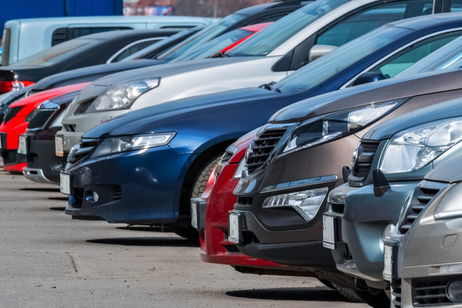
{"points": [[454, 291], [91, 196], [306, 202]]}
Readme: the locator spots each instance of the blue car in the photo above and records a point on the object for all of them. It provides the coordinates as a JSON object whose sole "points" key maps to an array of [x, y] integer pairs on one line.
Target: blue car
{"points": [[143, 167]]}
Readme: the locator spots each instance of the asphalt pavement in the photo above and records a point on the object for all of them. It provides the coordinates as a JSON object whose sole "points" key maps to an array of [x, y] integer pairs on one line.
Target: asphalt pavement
{"points": [[49, 260]]}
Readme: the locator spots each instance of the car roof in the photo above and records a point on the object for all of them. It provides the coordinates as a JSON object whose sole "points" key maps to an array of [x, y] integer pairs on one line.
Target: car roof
{"points": [[269, 6], [106, 19]]}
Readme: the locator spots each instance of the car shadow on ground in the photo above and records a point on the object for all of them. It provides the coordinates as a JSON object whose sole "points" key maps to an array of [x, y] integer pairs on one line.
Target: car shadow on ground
{"points": [[40, 189], [57, 208], [146, 241], [294, 294]]}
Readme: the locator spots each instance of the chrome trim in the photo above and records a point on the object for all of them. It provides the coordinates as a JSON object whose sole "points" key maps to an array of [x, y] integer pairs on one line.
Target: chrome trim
{"points": [[300, 183], [36, 175]]}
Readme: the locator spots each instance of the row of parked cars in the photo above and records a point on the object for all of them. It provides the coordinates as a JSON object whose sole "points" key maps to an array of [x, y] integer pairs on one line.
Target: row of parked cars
{"points": [[241, 131]]}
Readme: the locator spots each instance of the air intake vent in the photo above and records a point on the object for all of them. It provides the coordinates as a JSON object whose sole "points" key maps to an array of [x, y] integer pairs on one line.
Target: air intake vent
{"points": [[11, 113], [262, 148], [59, 36], [430, 292], [422, 196], [362, 163]]}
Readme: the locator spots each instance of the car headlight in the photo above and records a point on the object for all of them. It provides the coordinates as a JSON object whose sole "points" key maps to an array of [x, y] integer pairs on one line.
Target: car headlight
{"points": [[306, 202], [336, 125], [240, 168], [414, 148], [123, 96], [130, 143]]}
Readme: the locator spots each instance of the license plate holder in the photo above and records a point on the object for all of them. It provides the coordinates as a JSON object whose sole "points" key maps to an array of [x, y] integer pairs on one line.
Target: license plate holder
{"points": [[235, 227], [65, 183], [59, 146], [329, 232], [22, 147], [198, 206]]}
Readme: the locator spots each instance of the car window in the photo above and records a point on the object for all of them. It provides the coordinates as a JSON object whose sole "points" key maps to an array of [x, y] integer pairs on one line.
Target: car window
{"points": [[57, 53], [61, 35], [369, 19], [326, 67], [456, 6], [216, 45], [201, 37], [268, 39], [133, 48], [411, 54]]}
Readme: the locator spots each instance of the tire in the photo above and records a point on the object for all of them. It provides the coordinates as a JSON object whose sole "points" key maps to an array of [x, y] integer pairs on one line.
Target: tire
{"points": [[350, 295], [184, 229], [327, 283], [375, 298]]}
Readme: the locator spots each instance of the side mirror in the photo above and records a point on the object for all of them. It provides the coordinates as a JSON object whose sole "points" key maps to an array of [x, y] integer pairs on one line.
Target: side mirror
{"points": [[369, 77], [317, 51]]}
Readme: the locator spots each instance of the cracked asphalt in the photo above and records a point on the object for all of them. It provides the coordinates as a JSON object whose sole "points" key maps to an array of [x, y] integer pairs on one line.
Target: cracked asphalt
{"points": [[50, 260]]}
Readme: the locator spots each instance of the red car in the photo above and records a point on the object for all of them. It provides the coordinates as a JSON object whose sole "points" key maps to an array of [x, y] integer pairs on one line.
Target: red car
{"points": [[214, 205], [16, 121]]}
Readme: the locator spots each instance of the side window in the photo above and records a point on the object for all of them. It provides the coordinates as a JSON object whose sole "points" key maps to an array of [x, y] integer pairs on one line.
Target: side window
{"points": [[64, 34], [371, 18], [456, 6], [132, 48], [412, 54]]}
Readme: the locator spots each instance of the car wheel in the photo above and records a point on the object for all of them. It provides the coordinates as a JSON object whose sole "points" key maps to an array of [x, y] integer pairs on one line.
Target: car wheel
{"points": [[185, 229], [348, 294], [375, 298]]}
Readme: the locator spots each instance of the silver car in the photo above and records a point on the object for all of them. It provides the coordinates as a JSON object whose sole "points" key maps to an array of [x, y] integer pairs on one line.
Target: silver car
{"points": [[270, 55], [424, 262]]}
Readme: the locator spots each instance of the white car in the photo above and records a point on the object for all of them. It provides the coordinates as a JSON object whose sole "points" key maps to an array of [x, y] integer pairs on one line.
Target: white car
{"points": [[270, 55]]}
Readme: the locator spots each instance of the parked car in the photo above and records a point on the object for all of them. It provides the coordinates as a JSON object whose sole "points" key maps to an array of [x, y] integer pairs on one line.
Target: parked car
{"points": [[423, 262], [16, 121], [37, 150], [77, 53], [39, 167], [203, 126], [384, 184], [24, 37], [298, 159], [269, 55]]}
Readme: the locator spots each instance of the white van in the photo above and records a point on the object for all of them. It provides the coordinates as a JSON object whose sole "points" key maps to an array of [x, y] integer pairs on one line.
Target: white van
{"points": [[24, 37]]}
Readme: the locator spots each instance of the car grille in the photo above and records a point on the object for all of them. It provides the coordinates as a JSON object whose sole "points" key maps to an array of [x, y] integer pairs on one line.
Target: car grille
{"points": [[430, 292], [423, 194], [85, 148], [40, 118], [9, 156], [395, 289], [11, 113], [262, 147], [363, 161]]}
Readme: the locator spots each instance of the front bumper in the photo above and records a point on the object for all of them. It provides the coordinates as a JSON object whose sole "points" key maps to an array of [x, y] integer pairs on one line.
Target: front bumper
{"points": [[43, 165], [132, 187], [361, 219]]}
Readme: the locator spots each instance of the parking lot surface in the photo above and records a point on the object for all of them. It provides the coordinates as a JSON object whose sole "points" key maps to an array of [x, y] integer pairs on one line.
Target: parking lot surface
{"points": [[49, 260]]}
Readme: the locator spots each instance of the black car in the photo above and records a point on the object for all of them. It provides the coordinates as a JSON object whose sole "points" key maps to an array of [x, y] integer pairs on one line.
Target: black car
{"points": [[84, 51]]}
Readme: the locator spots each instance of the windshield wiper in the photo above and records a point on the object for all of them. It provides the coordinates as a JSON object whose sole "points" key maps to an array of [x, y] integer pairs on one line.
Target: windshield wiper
{"points": [[221, 55]]}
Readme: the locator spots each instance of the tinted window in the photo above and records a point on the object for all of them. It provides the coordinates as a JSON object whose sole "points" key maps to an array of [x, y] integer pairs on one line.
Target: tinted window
{"points": [[410, 55], [201, 37], [369, 19], [64, 34], [133, 48], [276, 34], [326, 67], [213, 47], [57, 53]]}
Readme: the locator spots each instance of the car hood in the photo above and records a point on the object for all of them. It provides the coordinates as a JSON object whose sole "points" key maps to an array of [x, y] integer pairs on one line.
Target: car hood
{"points": [[45, 95], [90, 73], [376, 92], [449, 170], [441, 111], [167, 69], [141, 121]]}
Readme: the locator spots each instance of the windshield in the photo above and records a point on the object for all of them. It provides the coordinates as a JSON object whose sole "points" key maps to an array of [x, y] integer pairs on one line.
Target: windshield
{"points": [[341, 58], [57, 53], [268, 39], [215, 46], [195, 41], [448, 56]]}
